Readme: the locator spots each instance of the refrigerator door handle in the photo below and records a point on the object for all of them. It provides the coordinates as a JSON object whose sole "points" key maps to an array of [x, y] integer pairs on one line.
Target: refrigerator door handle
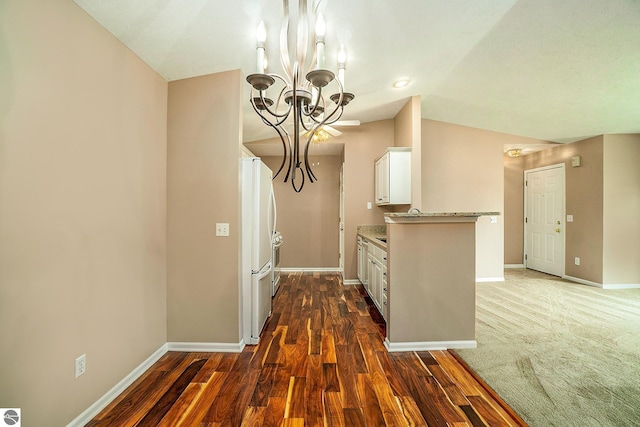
{"points": [[264, 271], [275, 210]]}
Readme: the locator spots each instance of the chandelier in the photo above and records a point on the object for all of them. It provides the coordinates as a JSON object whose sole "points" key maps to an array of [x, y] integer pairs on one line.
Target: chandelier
{"points": [[301, 93]]}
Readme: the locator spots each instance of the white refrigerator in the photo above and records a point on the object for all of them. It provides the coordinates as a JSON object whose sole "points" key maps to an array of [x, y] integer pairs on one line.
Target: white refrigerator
{"points": [[258, 223]]}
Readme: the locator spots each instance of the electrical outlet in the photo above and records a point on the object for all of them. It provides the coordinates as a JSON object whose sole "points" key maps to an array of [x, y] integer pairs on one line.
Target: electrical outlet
{"points": [[493, 219], [222, 229], [577, 260], [81, 365]]}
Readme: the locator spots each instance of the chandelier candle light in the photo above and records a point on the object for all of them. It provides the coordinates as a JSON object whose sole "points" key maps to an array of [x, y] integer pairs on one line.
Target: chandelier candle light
{"points": [[299, 93]]}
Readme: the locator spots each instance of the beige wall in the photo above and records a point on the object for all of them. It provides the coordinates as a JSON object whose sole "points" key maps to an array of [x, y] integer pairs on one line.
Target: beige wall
{"points": [[204, 128], [431, 282], [82, 210], [603, 197], [513, 210], [462, 170], [362, 145], [407, 133], [584, 197], [309, 220], [621, 209]]}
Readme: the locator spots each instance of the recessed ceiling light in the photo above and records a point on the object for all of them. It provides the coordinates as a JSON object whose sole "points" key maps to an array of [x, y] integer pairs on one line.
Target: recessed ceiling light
{"points": [[401, 83]]}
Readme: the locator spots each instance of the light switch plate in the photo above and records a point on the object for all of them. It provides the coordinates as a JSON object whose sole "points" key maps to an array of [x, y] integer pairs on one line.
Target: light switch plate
{"points": [[493, 220], [575, 161], [569, 218], [222, 229]]}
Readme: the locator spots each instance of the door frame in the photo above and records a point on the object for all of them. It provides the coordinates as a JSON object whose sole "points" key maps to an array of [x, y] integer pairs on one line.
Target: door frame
{"points": [[561, 166], [341, 222]]}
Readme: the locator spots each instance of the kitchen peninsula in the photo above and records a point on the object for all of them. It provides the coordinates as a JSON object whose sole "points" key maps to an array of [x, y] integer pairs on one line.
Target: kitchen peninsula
{"points": [[430, 279]]}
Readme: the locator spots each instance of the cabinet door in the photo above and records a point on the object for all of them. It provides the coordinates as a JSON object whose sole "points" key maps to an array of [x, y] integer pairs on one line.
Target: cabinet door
{"points": [[383, 299], [393, 177], [374, 278], [382, 179], [370, 278], [377, 286], [363, 260], [361, 264]]}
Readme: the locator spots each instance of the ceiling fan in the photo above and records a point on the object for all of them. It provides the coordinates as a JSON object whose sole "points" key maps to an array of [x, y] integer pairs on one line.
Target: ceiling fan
{"points": [[326, 132]]}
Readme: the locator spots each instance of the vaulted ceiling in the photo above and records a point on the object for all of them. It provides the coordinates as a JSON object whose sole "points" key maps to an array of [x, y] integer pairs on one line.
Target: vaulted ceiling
{"points": [[557, 70]]}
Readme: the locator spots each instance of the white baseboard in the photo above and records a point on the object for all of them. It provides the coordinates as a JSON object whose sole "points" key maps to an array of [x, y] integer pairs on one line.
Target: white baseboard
{"points": [[489, 279], [351, 282], [207, 347], [622, 286], [109, 396], [428, 345], [603, 286], [514, 266], [311, 270], [582, 281]]}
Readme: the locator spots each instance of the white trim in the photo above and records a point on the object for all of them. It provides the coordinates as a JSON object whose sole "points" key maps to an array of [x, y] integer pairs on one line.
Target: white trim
{"points": [[582, 281], [207, 347], [311, 270], [622, 286], [603, 286], [489, 279], [118, 389], [428, 345], [351, 282], [514, 266]]}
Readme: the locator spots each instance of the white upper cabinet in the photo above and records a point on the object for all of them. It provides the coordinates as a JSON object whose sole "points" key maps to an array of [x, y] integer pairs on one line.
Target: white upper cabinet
{"points": [[393, 177]]}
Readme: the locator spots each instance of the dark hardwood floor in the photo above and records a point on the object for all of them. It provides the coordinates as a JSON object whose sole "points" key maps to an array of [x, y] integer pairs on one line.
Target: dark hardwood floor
{"points": [[320, 362]]}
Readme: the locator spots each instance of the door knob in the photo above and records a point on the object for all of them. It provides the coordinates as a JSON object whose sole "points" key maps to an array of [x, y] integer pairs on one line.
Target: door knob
{"points": [[557, 230]]}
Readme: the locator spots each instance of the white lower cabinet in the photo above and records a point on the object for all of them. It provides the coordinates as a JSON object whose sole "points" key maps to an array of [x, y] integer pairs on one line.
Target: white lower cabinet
{"points": [[377, 276], [383, 300], [362, 261]]}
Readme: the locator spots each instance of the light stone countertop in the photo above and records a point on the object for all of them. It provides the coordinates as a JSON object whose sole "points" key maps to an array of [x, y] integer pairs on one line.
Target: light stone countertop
{"points": [[372, 233], [435, 216]]}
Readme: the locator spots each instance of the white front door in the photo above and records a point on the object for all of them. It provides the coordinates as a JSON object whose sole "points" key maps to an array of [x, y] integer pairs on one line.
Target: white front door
{"points": [[544, 219]]}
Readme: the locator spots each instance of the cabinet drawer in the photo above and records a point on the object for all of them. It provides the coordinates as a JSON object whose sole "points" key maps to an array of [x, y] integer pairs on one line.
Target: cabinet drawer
{"points": [[380, 254]]}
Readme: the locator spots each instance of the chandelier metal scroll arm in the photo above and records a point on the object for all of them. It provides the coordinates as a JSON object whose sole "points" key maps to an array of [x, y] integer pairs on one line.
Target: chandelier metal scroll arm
{"points": [[312, 112], [286, 153], [293, 184], [265, 103], [328, 119], [312, 176], [296, 130], [265, 119]]}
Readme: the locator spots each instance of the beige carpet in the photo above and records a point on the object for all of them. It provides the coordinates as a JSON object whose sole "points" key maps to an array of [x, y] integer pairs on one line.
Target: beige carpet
{"points": [[559, 353]]}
